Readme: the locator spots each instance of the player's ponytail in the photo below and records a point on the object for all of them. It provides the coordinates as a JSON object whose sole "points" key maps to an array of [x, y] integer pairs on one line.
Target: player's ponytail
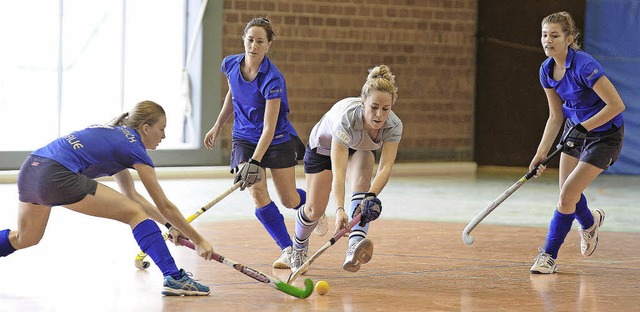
{"points": [[145, 112], [118, 121]]}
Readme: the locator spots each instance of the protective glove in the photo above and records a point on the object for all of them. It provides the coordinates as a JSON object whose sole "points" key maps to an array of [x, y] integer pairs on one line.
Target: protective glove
{"points": [[575, 137], [370, 208], [249, 174]]}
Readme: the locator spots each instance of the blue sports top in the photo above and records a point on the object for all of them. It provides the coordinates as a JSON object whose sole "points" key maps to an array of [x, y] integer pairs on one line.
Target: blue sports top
{"points": [[97, 151], [576, 88], [250, 97]]}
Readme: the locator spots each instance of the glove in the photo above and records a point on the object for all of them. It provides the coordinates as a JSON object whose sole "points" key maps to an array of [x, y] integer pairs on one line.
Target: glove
{"points": [[249, 174], [370, 208], [575, 137]]}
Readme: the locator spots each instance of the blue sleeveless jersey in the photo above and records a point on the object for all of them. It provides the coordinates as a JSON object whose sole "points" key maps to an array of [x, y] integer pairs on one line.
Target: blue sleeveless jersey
{"points": [[250, 97], [580, 102], [98, 150]]}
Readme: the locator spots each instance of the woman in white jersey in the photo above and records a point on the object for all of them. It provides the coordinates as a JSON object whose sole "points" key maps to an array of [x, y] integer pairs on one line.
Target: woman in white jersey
{"points": [[341, 147]]}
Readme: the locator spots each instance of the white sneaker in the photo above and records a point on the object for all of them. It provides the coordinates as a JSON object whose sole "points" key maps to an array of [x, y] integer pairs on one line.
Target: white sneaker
{"points": [[544, 264], [357, 254], [322, 227], [589, 237], [298, 258], [283, 262]]}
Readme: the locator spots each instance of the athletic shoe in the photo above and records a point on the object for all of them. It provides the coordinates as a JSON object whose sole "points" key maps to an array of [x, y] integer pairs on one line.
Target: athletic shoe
{"points": [[589, 237], [544, 264], [322, 227], [283, 262], [358, 253], [185, 285], [299, 257]]}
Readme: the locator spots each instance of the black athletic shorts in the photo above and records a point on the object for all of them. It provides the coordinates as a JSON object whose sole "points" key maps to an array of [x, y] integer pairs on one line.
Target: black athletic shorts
{"points": [[45, 182], [315, 163], [601, 149], [283, 155]]}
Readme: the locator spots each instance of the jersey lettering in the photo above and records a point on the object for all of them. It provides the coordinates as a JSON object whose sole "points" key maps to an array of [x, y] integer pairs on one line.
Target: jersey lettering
{"points": [[73, 141], [343, 136], [128, 134]]}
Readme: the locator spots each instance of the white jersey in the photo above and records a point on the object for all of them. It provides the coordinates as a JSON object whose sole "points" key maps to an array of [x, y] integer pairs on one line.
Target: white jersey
{"points": [[344, 123]]}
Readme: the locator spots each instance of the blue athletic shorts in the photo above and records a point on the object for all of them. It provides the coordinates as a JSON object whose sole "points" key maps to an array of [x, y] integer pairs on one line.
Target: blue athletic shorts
{"points": [[45, 182], [282, 155], [601, 149]]}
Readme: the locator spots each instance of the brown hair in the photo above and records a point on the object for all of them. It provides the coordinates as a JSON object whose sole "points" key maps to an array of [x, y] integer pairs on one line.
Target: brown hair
{"points": [[261, 22], [380, 78], [145, 112], [569, 28]]}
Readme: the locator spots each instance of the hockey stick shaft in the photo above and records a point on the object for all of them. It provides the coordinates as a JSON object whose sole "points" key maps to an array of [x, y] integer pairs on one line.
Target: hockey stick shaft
{"points": [[139, 260], [466, 236], [259, 276], [305, 266]]}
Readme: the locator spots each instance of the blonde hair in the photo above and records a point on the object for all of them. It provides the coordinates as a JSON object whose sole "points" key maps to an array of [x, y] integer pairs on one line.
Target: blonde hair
{"points": [[565, 21], [380, 78], [145, 112]]}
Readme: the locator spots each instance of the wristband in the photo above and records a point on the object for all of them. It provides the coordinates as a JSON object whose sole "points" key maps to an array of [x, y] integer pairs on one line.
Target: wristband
{"points": [[339, 208], [581, 128], [253, 161]]}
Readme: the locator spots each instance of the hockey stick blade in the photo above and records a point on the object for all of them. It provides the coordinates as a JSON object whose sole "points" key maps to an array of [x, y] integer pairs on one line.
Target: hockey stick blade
{"points": [[301, 293], [305, 266], [466, 233], [139, 260]]}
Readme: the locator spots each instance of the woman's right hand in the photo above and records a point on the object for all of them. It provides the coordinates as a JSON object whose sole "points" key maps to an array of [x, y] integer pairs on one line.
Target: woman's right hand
{"points": [[210, 138], [342, 221], [537, 159]]}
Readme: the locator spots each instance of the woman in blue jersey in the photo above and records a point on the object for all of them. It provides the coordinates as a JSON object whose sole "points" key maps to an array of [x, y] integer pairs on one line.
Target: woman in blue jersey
{"points": [[62, 174], [341, 147], [577, 90], [263, 137]]}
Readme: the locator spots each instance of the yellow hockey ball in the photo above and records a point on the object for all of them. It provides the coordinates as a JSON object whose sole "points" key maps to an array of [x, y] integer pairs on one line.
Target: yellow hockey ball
{"points": [[322, 287]]}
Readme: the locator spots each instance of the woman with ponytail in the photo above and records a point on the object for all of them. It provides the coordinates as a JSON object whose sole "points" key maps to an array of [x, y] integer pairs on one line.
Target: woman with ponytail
{"points": [[62, 173], [341, 148]]}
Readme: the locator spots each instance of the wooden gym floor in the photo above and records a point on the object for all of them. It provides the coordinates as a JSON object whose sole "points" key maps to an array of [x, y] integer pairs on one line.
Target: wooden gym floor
{"points": [[419, 262]]}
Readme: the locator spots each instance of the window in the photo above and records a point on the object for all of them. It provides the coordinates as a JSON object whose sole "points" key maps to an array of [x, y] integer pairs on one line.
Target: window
{"points": [[72, 63]]}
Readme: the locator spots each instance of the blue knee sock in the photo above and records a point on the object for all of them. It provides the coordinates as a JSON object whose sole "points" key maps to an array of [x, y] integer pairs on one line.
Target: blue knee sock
{"points": [[357, 232], [303, 198], [583, 213], [304, 227], [5, 246], [558, 230], [147, 234], [273, 222]]}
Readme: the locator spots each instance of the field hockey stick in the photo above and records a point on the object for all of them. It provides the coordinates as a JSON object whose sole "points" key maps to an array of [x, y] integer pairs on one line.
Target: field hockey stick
{"points": [[466, 236], [305, 266], [139, 260], [259, 276]]}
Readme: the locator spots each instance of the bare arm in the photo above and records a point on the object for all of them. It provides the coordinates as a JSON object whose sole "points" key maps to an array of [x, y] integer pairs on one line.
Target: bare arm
{"points": [[551, 129], [339, 161], [387, 159], [127, 187], [225, 114], [170, 211], [272, 110], [607, 92]]}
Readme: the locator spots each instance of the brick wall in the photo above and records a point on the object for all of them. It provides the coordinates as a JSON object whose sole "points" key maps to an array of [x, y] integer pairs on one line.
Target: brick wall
{"points": [[324, 49]]}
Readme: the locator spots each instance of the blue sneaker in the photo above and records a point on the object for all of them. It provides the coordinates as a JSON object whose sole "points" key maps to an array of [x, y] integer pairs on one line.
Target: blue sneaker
{"points": [[185, 285]]}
